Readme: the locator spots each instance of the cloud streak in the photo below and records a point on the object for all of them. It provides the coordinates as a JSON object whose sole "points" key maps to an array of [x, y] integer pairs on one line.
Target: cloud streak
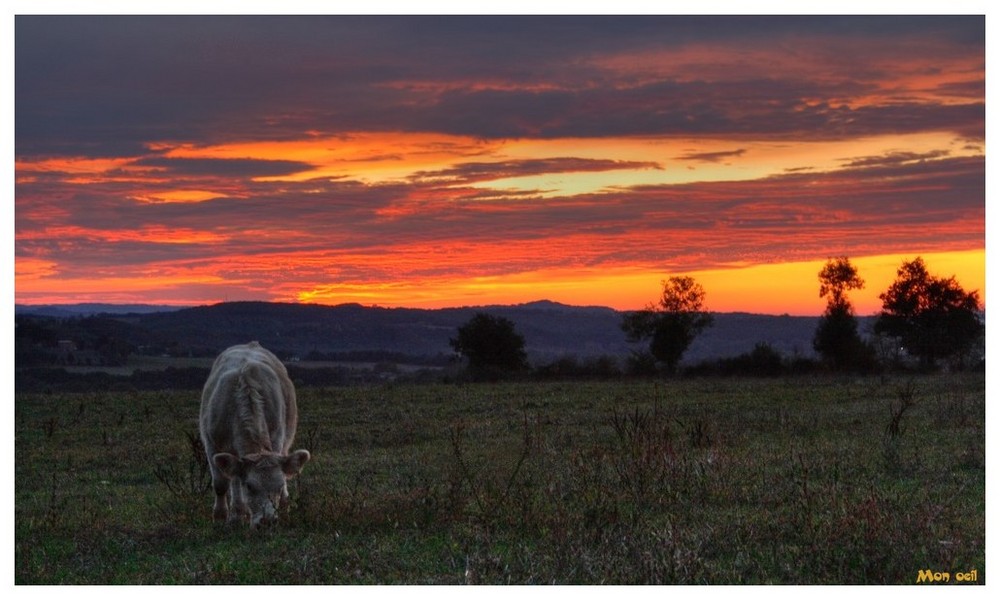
{"points": [[473, 172], [248, 168], [712, 157]]}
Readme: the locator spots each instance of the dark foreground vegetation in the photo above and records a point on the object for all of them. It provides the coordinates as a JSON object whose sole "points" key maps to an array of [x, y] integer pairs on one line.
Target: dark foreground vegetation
{"points": [[724, 480]]}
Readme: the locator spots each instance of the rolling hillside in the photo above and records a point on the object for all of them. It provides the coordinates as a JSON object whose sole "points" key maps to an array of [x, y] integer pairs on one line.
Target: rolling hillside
{"points": [[551, 330]]}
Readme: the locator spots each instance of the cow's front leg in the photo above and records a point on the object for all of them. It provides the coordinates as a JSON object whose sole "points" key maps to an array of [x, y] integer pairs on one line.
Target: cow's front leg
{"points": [[220, 511], [283, 500], [240, 511]]}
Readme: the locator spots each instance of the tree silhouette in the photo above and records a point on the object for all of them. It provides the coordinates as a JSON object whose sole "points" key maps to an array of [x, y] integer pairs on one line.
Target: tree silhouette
{"points": [[837, 277], [836, 338], [672, 324], [934, 318], [491, 345]]}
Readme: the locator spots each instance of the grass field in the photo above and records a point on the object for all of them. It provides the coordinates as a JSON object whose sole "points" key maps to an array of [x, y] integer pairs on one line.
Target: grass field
{"points": [[801, 480]]}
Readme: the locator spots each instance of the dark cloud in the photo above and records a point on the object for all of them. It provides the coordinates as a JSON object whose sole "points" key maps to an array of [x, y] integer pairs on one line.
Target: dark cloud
{"points": [[894, 158], [748, 107], [107, 85], [712, 157]]}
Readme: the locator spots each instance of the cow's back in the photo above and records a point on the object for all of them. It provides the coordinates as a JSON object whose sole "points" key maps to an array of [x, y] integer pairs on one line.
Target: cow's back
{"points": [[248, 403]]}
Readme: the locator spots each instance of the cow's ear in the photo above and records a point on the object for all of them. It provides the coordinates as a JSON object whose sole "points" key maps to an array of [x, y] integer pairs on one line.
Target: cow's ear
{"points": [[294, 462], [227, 463]]}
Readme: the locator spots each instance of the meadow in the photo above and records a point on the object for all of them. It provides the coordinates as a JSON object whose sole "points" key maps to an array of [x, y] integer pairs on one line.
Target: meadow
{"points": [[809, 480]]}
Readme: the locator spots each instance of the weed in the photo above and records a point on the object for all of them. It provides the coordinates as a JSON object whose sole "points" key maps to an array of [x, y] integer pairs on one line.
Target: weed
{"points": [[188, 478], [492, 500], [49, 426], [952, 406], [892, 440], [905, 401], [700, 434], [806, 495], [311, 442], [57, 505], [645, 454]]}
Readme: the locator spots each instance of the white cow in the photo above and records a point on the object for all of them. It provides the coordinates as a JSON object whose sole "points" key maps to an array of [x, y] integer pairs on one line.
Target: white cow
{"points": [[247, 422]]}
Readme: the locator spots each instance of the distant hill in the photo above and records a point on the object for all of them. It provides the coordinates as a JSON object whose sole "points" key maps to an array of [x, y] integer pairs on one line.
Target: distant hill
{"points": [[89, 309], [551, 330]]}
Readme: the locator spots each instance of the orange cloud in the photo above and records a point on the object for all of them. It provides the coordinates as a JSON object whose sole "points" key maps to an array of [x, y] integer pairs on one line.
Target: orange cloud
{"points": [[82, 170], [367, 156], [155, 234], [31, 269], [182, 196]]}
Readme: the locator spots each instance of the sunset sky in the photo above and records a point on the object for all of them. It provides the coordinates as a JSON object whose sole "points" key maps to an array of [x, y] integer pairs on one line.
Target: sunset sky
{"points": [[450, 161]]}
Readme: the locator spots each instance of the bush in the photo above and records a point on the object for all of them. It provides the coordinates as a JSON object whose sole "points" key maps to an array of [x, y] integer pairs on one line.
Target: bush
{"points": [[570, 367], [492, 346], [762, 361]]}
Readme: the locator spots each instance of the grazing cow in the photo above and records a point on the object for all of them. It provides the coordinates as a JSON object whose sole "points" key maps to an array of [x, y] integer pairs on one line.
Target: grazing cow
{"points": [[247, 422]]}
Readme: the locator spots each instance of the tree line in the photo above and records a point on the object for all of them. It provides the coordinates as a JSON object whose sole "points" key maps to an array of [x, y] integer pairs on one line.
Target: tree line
{"points": [[928, 319]]}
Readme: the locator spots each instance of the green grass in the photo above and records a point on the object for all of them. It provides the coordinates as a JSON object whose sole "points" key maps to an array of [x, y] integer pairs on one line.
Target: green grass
{"points": [[690, 481]]}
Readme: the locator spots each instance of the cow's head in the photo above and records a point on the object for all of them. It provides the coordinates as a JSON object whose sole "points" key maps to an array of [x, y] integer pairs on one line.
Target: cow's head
{"points": [[257, 482]]}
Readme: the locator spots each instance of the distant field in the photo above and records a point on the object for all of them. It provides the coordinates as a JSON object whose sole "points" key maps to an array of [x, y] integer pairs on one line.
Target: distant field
{"points": [[146, 363], [160, 363], [802, 480]]}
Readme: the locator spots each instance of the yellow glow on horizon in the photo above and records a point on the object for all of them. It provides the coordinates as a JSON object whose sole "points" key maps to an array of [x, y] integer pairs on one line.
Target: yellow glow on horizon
{"points": [[793, 288], [615, 288], [784, 288]]}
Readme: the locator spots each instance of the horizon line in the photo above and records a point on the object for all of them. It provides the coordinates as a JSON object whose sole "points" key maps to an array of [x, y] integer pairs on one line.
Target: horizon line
{"points": [[168, 307]]}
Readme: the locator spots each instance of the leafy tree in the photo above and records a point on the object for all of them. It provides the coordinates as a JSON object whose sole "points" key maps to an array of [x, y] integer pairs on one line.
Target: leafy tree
{"points": [[933, 318], [673, 323], [837, 277], [836, 338], [491, 345]]}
